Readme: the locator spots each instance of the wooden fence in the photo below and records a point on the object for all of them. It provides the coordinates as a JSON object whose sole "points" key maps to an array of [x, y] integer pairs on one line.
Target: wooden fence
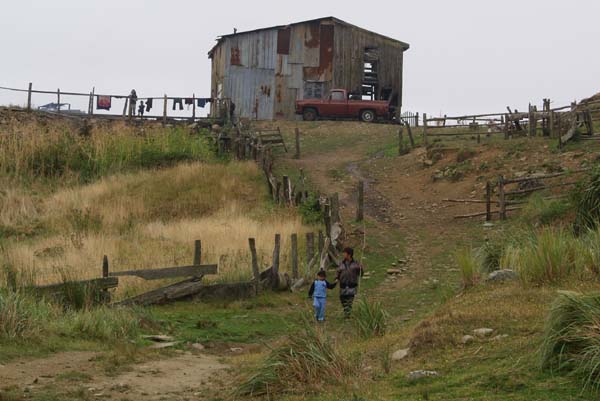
{"points": [[559, 123], [511, 192], [410, 118], [222, 109]]}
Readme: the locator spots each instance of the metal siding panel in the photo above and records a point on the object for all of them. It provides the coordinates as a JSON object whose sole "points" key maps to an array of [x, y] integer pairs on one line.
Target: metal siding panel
{"points": [[247, 85]]}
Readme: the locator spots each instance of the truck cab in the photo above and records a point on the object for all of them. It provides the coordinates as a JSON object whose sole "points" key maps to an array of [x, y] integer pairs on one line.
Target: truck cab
{"points": [[337, 104]]}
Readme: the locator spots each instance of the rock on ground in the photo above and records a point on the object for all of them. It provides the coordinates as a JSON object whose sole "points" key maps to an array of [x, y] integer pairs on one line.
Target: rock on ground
{"points": [[502, 275], [420, 374], [467, 339], [400, 354], [484, 332]]}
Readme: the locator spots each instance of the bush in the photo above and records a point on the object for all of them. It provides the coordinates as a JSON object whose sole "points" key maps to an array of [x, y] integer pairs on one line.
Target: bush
{"points": [[572, 337], [370, 318], [490, 254], [311, 211], [469, 266], [306, 360]]}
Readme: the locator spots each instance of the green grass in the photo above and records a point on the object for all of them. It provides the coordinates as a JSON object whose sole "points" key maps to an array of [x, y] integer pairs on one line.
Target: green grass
{"points": [[469, 265]]}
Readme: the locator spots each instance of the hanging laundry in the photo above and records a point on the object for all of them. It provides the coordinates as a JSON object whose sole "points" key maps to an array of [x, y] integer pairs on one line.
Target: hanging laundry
{"points": [[103, 102], [148, 104], [202, 102], [189, 100], [178, 101]]}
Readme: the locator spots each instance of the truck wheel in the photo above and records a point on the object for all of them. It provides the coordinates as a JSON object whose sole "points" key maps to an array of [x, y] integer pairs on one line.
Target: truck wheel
{"points": [[309, 115], [367, 116]]}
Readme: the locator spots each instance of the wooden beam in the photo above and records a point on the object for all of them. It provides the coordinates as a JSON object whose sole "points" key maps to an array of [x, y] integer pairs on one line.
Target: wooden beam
{"points": [[98, 283], [169, 272]]}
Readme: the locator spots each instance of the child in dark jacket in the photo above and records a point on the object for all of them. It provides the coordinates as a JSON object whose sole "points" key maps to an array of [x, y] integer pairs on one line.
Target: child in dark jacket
{"points": [[318, 292]]}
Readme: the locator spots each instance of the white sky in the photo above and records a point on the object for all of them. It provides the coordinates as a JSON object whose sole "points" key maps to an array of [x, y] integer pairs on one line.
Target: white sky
{"points": [[466, 56]]}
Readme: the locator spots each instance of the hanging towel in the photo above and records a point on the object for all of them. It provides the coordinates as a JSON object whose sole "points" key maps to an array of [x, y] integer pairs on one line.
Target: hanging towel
{"points": [[178, 101], [103, 102], [148, 104]]}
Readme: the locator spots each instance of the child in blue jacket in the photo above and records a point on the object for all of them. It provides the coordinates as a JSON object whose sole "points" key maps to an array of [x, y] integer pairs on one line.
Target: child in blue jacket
{"points": [[318, 292]]}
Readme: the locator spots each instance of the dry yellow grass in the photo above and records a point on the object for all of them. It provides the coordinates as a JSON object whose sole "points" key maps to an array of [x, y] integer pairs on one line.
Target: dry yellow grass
{"points": [[145, 220]]}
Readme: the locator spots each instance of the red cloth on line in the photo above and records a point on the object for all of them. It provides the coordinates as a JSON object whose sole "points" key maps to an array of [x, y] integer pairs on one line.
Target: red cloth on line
{"points": [[103, 103]]}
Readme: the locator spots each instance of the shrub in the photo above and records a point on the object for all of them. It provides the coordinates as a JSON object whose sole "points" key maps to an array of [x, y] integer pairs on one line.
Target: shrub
{"points": [[306, 360], [572, 337], [490, 254], [311, 211], [469, 266], [370, 318]]}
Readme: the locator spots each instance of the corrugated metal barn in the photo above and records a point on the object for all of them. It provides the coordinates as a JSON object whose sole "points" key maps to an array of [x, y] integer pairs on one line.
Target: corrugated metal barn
{"points": [[265, 71]]}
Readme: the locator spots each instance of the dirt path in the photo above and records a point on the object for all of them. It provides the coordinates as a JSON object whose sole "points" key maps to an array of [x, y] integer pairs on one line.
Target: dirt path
{"points": [[183, 376]]}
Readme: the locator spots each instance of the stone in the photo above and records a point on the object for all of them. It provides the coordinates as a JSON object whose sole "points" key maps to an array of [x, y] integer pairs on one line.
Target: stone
{"points": [[502, 275], [236, 350], [421, 374], [400, 354], [500, 337], [467, 339], [198, 346], [159, 338], [393, 272], [428, 162], [483, 332]]}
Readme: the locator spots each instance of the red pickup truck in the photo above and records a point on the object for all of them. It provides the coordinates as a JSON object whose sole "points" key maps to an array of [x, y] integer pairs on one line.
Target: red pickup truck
{"points": [[338, 105]]}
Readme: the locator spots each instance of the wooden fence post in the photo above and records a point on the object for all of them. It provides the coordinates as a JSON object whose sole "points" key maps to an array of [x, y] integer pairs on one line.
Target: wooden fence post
{"points": [[29, 96], [531, 121], [255, 271], [506, 126], [401, 141], [197, 252], [310, 251], [488, 201], [551, 124], [275, 268], [91, 106], [286, 189], [321, 242], [478, 137], [425, 129], [361, 200], [297, 133], [410, 135], [193, 107], [105, 266], [295, 256], [165, 109], [417, 120], [278, 192], [502, 197], [58, 100]]}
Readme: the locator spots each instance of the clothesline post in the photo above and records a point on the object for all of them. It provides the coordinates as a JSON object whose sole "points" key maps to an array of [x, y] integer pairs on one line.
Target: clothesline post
{"points": [[29, 96], [194, 107], [165, 110], [125, 107], [91, 106], [58, 99]]}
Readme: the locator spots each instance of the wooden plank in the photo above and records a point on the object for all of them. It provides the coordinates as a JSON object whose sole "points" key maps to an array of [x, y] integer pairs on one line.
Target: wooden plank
{"points": [[166, 294], [98, 283], [410, 135], [467, 216], [169, 272]]}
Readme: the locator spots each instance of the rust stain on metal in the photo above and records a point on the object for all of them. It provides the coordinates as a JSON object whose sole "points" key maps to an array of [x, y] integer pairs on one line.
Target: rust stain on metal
{"points": [[236, 56], [324, 71]]}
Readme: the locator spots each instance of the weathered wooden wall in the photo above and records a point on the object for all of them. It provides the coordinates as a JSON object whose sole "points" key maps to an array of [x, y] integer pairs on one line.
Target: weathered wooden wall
{"points": [[265, 71]]}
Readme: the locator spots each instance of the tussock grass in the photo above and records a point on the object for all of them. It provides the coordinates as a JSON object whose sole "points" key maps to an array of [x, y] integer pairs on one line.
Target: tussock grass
{"points": [[22, 318], [305, 363], [150, 219], [572, 337], [61, 149], [104, 324], [587, 201], [540, 211], [469, 266], [370, 318]]}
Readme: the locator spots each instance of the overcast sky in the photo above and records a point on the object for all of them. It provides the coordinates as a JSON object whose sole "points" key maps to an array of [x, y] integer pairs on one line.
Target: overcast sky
{"points": [[466, 56]]}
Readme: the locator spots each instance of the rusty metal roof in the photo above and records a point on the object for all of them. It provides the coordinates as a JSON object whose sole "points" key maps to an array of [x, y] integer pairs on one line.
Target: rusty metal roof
{"points": [[404, 45]]}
